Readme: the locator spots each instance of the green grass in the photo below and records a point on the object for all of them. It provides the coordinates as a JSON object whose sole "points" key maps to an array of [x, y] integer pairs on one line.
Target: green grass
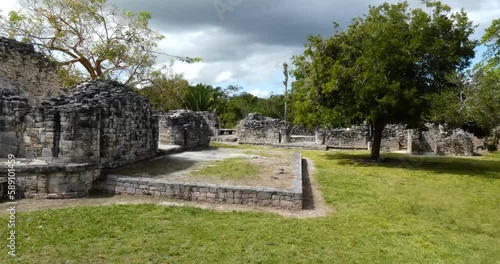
{"points": [[417, 210], [231, 168]]}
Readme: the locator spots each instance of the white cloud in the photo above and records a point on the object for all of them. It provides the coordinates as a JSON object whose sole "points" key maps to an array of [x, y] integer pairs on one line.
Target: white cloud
{"points": [[259, 93], [225, 76]]}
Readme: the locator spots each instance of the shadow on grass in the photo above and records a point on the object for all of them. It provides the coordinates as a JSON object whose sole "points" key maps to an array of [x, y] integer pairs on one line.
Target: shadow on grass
{"points": [[467, 166], [308, 202]]}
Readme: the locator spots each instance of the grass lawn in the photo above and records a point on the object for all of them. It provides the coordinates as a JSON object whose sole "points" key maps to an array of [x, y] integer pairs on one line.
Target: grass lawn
{"points": [[418, 210]]}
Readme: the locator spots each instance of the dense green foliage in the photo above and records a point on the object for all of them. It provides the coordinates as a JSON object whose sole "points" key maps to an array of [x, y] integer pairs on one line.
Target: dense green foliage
{"points": [[418, 210], [473, 102], [167, 91], [382, 68], [238, 106]]}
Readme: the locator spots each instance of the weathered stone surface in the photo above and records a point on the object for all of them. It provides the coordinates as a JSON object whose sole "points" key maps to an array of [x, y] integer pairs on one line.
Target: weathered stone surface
{"points": [[27, 72], [442, 141], [261, 130], [285, 198], [187, 128]]}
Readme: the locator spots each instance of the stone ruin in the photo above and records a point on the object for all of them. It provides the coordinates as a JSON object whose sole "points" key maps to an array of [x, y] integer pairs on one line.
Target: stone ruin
{"points": [[27, 72], [99, 121], [187, 128], [63, 143], [441, 141], [261, 130]]}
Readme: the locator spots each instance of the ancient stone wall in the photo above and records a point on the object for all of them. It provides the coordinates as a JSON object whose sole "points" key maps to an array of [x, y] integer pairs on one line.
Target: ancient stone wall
{"points": [[27, 72], [439, 140], [347, 138], [212, 121], [187, 128], [262, 196], [394, 138], [36, 179], [100, 121], [13, 109], [260, 130]]}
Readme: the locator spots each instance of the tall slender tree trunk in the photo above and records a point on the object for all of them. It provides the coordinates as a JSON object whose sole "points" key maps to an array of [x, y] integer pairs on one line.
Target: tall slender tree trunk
{"points": [[378, 127]]}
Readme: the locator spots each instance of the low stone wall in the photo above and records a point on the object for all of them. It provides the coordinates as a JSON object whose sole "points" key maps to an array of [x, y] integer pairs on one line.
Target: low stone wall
{"points": [[347, 138], [260, 130], [44, 180], [283, 198], [187, 128]]}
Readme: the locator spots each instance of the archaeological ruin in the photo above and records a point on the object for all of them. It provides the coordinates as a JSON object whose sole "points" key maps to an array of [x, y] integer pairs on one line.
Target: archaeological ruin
{"points": [[436, 139], [187, 128], [65, 142]]}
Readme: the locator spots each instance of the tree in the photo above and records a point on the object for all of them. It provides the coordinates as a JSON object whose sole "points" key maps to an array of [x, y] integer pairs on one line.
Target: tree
{"points": [[383, 67], [202, 98], [492, 40], [473, 100], [88, 36], [167, 91]]}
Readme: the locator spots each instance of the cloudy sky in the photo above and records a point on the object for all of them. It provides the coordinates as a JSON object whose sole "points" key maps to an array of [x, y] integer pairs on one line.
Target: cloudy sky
{"points": [[245, 42]]}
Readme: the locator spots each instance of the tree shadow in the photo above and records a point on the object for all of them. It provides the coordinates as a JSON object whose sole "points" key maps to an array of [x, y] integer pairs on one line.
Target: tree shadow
{"points": [[466, 166], [308, 196]]}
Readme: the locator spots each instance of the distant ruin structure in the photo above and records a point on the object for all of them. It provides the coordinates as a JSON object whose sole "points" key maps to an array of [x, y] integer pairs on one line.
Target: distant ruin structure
{"points": [[187, 128], [260, 130]]}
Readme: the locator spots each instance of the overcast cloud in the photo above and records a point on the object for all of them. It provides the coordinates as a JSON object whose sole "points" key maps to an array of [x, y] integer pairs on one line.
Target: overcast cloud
{"points": [[245, 42]]}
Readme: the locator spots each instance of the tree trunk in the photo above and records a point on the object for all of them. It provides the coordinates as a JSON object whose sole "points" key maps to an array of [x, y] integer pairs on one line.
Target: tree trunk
{"points": [[378, 127]]}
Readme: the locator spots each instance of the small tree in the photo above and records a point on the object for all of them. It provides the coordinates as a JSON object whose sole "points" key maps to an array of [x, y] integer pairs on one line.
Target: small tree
{"points": [[382, 67], [167, 90]]}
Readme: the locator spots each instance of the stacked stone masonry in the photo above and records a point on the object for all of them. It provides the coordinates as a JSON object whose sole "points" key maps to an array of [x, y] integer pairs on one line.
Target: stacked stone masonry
{"points": [[43, 180], [282, 198], [260, 130], [27, 72], [441, 141], [187, 128], [99, 121]]}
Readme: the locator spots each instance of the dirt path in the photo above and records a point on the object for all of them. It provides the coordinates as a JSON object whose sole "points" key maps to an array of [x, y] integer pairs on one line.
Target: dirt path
{"points": [[314, 205]]}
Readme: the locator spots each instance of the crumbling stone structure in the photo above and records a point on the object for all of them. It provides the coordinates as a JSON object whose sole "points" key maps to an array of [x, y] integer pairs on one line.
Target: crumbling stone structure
{"points": [[27, 72], [99, 124], [100, 121], [61, 142], [257, 129], [441, 141], [187, 128], [260, 130], [356, 137]]}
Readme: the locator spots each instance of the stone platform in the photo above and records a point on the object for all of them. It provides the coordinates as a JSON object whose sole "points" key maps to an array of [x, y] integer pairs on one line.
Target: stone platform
{"points": [[288, 198]]}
